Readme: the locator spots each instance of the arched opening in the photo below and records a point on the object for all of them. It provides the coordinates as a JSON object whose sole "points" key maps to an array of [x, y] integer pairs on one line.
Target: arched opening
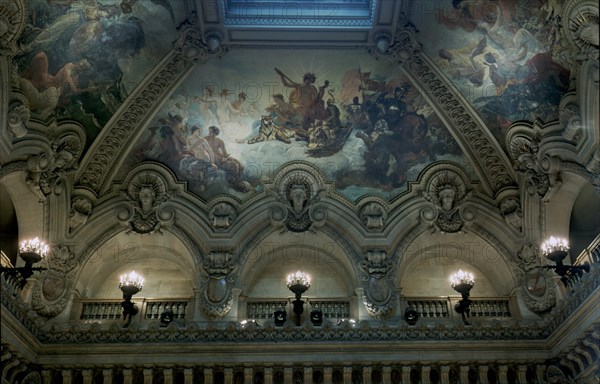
{"points": [[584, 225], [9, 227]]}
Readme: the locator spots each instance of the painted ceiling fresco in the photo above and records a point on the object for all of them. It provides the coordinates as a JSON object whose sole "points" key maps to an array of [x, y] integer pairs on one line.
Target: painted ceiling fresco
{"points": [[503, 55], [79, 59], [235, 120]]}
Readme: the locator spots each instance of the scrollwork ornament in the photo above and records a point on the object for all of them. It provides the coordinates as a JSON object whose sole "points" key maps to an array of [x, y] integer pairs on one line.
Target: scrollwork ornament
{"points": [[217, 299], [377, 286], [81, 209], [50, 295], [373, 216], [222, 216], [32, 378], [18, 116], [12, 21]]}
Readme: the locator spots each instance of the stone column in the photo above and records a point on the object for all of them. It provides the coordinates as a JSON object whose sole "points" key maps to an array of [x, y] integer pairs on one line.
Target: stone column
{"points": [[248, 372], [208, 375], [107, 375], [464, 374], [168, 375], [67, 376], [367, 371], [445, 374], [327, 375], [228, 375], [128, 376], [522, 373], [405, 374], [540, 373], [308, 374], [288, 373], [268, 373], [147, 375], [386, 375], [87, 376], [503, 374], [347, 375], [483, 371], [188, 376], [425, 371], [46, 376]]}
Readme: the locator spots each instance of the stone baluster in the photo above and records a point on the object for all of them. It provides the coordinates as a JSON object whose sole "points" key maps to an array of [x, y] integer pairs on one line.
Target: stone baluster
{"points": [[406, 374], [464, 374], [87, 375], [445, 374], [540, 372], [288, 373], [268, 373], [46, 376], [386, 375], [522, 373], [327, 375], [208, 375], [67, 376], [228, 375], [308, 374], [248, 372], [367, 372], [128, 376], [347, 372], [503, 374], [188, 376], [147, 372], [483, 371], [107, 375], [425, 372], [168, 375]]}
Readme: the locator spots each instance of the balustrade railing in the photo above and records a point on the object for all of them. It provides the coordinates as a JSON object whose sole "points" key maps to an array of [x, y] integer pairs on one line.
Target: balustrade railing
{"points": [[443, 307], [150, 308], [331, 308], [155, 308]]}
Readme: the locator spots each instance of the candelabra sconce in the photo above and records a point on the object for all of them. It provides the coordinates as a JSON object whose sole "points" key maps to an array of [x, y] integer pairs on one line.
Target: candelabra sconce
{"points": [[462, 282], [31, 252], [316, 316], [556, 249], [279, 317], [298, 283], [130, 284]]}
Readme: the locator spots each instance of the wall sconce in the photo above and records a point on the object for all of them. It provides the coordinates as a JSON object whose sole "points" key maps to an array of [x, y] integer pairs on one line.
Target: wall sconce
{"points": [[462, 282], [249, 323], [279, 317], [130, 285], [298, 283], [346, 322], [316, 316], [31, 252], [556, 249]]}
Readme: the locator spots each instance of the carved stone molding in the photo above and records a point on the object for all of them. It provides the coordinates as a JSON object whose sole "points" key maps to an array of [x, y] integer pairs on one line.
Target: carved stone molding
{"points": [[18, 116], [298, 189], [378, 283], [537, 285], [580, 27], [81, 209], [222, 214], [146, 191], [217, 297], [111, 145], [51, 294], [479, 145], [373, 214], [12, 21]]}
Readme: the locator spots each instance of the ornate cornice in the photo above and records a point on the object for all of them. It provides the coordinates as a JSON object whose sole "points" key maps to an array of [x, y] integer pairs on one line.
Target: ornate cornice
{"points": [[12, 21]]}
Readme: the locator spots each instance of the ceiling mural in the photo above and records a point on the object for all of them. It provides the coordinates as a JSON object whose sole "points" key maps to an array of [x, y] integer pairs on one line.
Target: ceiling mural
{"points": [[503, 55], [235, 120], [79, 59]]}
